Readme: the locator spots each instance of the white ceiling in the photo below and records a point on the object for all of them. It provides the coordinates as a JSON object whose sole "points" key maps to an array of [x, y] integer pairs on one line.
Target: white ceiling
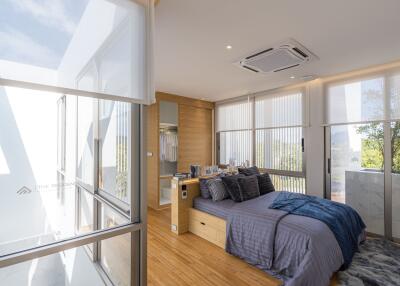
{"points": [[191, 36]]}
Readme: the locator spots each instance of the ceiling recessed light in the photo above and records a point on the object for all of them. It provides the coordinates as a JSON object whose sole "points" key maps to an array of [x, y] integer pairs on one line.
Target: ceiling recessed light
{"points": [[228, 47], [292, 77]]}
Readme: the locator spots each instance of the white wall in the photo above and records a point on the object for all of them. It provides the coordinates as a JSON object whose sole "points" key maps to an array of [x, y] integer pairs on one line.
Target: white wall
{"points": [[314, 139]]}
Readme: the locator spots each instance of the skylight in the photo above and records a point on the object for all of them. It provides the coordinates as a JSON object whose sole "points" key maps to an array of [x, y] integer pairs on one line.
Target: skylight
{"points": [[60, 43]]}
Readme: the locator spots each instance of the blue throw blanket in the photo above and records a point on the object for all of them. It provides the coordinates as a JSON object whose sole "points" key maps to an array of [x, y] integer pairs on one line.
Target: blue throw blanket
{"points": [[343, 221]]}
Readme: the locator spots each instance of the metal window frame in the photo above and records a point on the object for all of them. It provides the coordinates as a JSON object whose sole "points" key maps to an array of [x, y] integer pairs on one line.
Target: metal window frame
{"points": [[136, 226], [56, 247], [252, 98], [61, 134], [388, 208]]}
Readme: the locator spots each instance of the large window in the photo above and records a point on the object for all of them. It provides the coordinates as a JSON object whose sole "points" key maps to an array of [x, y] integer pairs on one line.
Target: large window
{"points": [[362, 152], [68, 178], [73, 77], [52, 44], [234, 130], [265, 130]]}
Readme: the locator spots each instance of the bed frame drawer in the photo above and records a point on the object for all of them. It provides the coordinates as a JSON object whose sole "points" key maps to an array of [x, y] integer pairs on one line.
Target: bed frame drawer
{"points": [[207, 226]]}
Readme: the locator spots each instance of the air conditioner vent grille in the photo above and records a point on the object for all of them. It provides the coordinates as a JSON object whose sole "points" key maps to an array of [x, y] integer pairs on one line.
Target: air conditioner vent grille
{"points": [[286, 55]]}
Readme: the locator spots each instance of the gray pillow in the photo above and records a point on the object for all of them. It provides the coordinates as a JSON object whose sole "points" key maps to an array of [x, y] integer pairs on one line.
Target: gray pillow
{"points": [[217, 190], [205, 193], [248, 187], [249, 171], [232, 186], [265, 184]]}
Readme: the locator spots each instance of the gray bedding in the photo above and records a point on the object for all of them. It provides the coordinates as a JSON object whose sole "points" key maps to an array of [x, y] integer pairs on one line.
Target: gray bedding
{"points": [[220, 209], [302, 249], [299, 249]]}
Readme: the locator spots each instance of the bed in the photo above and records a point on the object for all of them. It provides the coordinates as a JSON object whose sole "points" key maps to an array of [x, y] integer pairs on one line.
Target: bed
{"points": [[297, 249], [219, 209]]}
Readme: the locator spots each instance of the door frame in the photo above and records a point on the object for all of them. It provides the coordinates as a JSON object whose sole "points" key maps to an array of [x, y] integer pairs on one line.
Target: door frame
{"points": [[387, 172]]}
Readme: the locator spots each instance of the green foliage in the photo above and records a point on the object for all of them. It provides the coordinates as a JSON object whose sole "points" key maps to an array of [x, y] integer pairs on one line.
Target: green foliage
{"points": [[371, 156], [372, 149]]}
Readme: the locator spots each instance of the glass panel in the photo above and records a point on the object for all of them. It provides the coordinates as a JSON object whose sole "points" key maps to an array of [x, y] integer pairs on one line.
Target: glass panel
{"points": [[114, 136], [40, 204], [289, 184], [106, 33], [235, 147], [395, 142], [85, 162], [85, 211], [279, 149], [278, 110], [356, 101], [115, 252], [357, 177], [72, 267], [165, 190], [37, 204]]}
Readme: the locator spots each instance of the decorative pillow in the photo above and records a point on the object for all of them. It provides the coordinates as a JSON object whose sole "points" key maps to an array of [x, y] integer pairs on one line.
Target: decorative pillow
{"points": [[232, 186], [204, 191], [265, 184], [248, 187], [217, 190], [249, 171]]}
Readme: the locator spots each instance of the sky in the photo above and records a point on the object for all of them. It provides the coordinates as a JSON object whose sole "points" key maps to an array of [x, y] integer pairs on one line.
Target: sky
{"points": [[37, 32]]}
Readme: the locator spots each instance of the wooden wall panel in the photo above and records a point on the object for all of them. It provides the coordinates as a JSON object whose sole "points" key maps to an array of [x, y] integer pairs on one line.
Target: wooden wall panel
{"points": [[184, 100], [194, 137], [152, 161]]}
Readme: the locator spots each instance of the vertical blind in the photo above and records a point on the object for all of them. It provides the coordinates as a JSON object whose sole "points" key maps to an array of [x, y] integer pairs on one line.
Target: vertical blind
{"points": [[272, 125], [279, 132], [279, 110], [234, 116], [234, 128]]}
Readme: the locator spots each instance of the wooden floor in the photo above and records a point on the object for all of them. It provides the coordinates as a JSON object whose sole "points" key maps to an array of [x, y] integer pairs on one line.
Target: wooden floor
{"points": [[190, 260]]}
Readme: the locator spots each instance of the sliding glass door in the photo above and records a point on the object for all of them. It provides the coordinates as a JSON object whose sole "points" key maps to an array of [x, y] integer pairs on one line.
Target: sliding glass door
{"points": [[395, 178], [357, 171], [362, 136]]}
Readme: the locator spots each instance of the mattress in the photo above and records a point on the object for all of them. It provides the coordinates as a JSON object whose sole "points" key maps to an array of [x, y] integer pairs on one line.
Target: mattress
{"points": [[219, 209]]}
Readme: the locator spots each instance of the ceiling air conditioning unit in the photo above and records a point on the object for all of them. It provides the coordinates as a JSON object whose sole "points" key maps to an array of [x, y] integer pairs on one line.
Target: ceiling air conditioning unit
{"points": [[284, 56]]}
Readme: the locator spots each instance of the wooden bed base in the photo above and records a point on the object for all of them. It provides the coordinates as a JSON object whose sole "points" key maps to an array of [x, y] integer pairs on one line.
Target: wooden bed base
{"points": [[185, 218], [207, 226]]}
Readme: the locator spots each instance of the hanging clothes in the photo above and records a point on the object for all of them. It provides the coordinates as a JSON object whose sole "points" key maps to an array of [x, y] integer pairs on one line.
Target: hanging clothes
{"points": [[168, 146]]}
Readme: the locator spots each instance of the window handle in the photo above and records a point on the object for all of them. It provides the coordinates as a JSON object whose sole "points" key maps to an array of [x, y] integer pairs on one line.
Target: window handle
{"points": [[329, 165]]}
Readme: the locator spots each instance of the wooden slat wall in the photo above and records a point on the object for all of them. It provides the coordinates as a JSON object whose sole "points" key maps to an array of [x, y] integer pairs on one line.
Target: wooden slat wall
{"points": [[194, 137], [152, 161]]}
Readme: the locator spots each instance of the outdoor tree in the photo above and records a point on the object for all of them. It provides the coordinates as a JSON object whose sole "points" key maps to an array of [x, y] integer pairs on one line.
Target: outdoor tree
{"points": [[373, 145]]}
